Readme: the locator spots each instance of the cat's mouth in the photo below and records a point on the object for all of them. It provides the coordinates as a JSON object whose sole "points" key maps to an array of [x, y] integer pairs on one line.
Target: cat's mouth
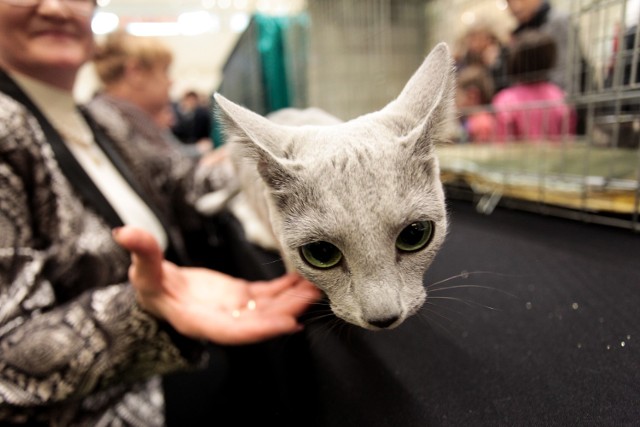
{"points": [[377, 323], [378, 317]]}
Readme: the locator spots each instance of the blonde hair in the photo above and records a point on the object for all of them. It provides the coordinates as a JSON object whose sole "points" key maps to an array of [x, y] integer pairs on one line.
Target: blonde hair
{"points": [[483, 27], [118, 48]]}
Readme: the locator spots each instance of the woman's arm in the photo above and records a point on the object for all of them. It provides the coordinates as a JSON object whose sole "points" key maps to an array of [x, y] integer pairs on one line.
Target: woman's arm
{"points": [[65, 332]]}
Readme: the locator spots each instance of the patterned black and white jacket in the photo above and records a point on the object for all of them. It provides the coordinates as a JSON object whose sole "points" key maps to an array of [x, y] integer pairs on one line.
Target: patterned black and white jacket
{"points": [[75, 349]]}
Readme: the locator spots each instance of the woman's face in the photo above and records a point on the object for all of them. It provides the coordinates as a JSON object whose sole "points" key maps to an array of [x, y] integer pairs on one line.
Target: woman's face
{"points": [[151, 88], [48, 42], [523, 10]]}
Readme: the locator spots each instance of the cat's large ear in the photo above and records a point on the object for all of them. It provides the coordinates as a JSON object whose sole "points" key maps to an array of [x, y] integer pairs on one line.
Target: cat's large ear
{"points": [[258, 139], [425, 105]]}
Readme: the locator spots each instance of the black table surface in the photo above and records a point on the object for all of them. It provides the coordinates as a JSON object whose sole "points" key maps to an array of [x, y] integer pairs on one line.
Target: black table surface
{"points": [[531, 320]]}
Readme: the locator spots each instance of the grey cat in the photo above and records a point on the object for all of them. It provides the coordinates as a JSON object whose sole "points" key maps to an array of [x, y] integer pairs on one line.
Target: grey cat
{"points": [[356, 207]]}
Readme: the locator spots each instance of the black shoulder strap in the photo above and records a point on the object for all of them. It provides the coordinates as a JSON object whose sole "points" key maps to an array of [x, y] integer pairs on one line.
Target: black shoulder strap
{"points": [[76, 175], [107, 146]]}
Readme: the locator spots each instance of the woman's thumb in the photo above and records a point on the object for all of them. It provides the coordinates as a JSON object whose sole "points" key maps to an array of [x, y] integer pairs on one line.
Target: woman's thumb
{"points": [[146, 256]]}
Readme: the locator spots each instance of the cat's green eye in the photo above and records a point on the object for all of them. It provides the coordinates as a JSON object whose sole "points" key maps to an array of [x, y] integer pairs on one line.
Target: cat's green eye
{"points": [[415, 236], [321, 254]]}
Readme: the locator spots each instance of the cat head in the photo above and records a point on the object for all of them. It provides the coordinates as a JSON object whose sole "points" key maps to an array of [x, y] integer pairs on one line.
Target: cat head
{"points": [[357, 207]]}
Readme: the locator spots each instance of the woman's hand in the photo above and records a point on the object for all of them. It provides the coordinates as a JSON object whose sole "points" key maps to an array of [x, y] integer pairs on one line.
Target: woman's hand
{"points": [[206, 304]]}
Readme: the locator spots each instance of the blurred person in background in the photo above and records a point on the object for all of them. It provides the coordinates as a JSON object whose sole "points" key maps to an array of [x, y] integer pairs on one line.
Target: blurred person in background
{"points": [[134, 73], [474, 93], [481, 45], [193, 121], [571, 70], [541, 15], [533, 108]]}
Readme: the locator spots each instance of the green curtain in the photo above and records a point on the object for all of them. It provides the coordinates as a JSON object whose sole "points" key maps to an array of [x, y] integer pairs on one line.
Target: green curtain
{"points": [[274, 73], [282, 45], [266, 71]]}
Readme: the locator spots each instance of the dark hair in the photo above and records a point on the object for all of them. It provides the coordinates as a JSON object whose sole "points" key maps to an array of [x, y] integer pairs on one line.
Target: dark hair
{"points": [[476, 76], [532, 54]]}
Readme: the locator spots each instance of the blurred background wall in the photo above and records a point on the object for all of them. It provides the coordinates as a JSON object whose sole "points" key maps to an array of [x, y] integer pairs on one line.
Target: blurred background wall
{"points": [[360, 51], [353, 56], [348, 57]]}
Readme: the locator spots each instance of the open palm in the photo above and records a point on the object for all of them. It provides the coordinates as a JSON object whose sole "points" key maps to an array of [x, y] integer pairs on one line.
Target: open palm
{"points": [[206, 304]]}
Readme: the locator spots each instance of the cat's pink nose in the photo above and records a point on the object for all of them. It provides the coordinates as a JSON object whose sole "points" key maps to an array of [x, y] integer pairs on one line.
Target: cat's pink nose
{"points": [[385, 322]]}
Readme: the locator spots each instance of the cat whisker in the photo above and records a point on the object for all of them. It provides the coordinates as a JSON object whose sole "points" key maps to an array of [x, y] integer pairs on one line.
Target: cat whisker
{"points": [[492, 288], [319, 317], [319, 312], [439, 314], [319, 304], [275, 261], [325, 327], [312, 301], [433, 322], [437, 311], [449, 309], [468, 302], [336, 323], [466, 274]]}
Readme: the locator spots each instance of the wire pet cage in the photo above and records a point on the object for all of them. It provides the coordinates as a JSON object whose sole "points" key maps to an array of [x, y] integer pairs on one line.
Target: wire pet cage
{"points": [[588, 169], [583, 162]]}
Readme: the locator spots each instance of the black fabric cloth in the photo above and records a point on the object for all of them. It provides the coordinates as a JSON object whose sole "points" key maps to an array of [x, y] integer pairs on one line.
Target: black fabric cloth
{"points": [[540, 326], [234, 375], [192, 126]]}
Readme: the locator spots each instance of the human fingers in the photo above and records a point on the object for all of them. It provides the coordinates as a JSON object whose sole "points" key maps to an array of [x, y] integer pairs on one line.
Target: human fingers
{"points": [[244, 325], [146, 256], [216, 288], [271, 316], [136, 239], [292, 301], [251, 327], [275, 286], [247, 320], [290, 294]]}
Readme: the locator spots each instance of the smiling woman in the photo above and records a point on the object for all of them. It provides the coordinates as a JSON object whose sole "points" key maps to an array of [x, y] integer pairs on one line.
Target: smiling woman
{"points": [[48, 39], [91, 312], [82, 7]]}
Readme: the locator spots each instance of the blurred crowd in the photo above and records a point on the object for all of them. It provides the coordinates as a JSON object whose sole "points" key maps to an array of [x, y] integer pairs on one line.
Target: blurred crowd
{"points": [[515, 89]]}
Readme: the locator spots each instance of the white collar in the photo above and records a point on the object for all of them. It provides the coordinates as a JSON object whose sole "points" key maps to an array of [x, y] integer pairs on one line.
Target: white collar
{"points": [[59, 108]]}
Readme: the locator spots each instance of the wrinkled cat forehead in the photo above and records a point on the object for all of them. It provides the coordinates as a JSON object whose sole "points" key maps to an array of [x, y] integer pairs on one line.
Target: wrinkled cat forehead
{"points": [[358, 135]]}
